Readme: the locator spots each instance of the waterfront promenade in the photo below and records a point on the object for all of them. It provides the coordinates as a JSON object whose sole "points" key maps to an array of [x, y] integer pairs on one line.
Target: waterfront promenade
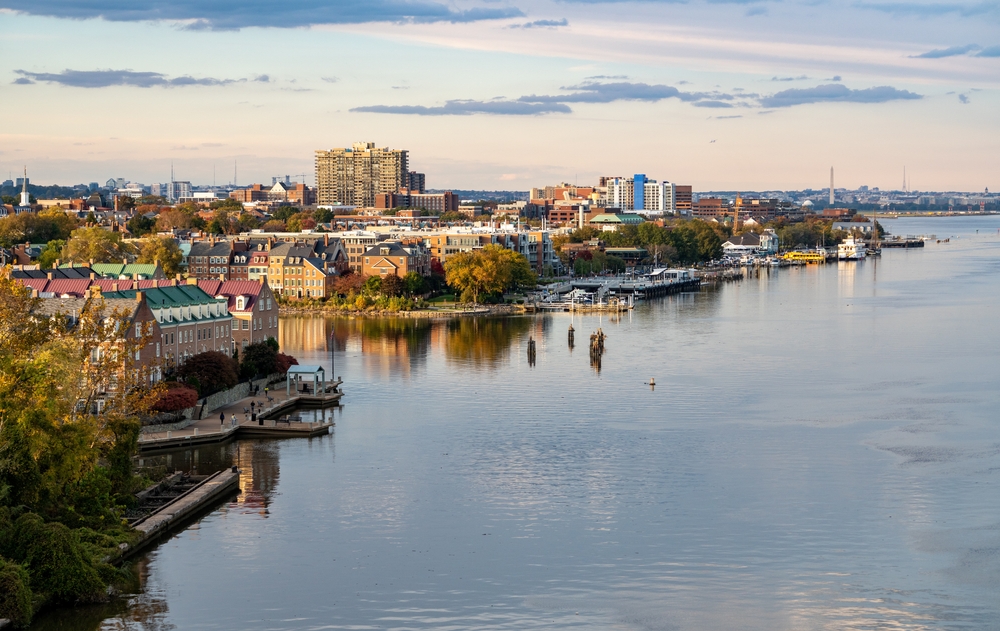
{"points": [[275, 418]]}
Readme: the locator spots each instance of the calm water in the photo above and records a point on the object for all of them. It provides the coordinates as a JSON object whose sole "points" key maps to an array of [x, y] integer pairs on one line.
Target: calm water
{"points": [[821, 451]]}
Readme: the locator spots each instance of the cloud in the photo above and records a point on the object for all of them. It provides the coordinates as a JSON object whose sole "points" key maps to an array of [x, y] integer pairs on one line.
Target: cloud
{"points": [[330, 79], [542, 24], [467, 107], [835, 92], [107, 78], [725, 117], [798, 78], [931, 9], [952, 51], [963, 99], [262, 78], [835, 77], [992, 51], [611, 77], [224, 15], [752, 11], [588, 92], [23, 81]]}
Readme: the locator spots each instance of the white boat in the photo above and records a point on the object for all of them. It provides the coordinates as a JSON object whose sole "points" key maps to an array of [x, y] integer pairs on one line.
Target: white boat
{"points": [[851, 249]]}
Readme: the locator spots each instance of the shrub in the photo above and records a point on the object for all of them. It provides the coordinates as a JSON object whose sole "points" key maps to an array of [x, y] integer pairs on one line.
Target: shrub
{"points": [[15, 595], [284, 362], [57, 560], [259, 359], [177, 397]]}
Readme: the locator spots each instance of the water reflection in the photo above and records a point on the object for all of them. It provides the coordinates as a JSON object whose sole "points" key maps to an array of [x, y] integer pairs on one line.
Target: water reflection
{"points": [[486, 342], [259, 473]]}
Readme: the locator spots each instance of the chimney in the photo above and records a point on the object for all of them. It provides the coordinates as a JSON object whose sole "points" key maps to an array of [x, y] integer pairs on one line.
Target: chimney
{"points": [[177, 279], [222, 277], [114, 286], [140, 297], [124, 261], [57, 263], [49, 275], [34, 293], [93, 276], [326, 239], [91, 262]]}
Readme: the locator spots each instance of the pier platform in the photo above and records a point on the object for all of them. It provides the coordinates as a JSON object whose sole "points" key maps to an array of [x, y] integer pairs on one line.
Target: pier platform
{"points": [[275, 419]]}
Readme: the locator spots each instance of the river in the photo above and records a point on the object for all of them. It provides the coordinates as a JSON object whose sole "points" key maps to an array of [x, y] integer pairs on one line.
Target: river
{"points": [[821, 451]]}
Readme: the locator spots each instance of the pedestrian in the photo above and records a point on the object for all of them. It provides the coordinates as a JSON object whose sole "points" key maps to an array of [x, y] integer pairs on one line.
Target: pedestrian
{"points": [[252, 404], [222, 419], [234, 420]]}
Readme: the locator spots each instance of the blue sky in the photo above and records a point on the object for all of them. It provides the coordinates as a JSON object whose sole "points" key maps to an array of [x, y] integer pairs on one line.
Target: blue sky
{"points": [[507, 94]]}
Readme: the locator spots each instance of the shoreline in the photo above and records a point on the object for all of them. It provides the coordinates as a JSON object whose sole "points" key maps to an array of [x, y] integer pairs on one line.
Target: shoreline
{"points": [[490, 310]]}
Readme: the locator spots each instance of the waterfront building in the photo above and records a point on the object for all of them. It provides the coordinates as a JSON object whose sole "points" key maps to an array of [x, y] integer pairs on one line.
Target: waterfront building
{"points": [[392, 257], [354, 176], [253, 306]]}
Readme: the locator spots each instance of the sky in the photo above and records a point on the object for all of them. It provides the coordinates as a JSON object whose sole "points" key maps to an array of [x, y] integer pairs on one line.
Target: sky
{"points": [[506, 94]]}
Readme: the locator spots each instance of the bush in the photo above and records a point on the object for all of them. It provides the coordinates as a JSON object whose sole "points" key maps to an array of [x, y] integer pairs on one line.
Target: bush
{"points": [[177, 397], [284, 362], [59, 566], [214, 371], [15, 595]]}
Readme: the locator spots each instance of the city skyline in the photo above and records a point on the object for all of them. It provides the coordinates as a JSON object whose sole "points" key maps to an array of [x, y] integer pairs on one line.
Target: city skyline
{"points": [[506, 96]]}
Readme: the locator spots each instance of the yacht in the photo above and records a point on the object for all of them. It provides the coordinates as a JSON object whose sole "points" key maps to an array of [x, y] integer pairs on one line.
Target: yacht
{"points": [[851, 249]]}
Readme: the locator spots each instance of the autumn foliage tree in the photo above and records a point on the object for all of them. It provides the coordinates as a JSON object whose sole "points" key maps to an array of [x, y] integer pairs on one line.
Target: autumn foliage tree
{"points": [[491, 270], [209, 372]]}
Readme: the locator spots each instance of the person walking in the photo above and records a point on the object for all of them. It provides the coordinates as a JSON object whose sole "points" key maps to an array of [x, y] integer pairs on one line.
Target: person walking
{"points": [[234, 420], [222, 419]]}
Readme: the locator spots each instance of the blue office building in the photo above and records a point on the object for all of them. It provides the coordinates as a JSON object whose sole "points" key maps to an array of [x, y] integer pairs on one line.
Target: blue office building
{"points": [[639, 195]]}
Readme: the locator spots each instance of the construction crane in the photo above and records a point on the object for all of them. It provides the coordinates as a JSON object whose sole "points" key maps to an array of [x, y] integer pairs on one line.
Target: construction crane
{"points": [[303, 176]]}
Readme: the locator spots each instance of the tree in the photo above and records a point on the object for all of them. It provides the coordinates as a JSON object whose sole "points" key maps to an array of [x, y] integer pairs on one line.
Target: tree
{"points": [[50, 254], [212, 371], [259, 359], [284, 213], [373, 285], [414, 283], [323, 215], [141, 225], [177, 397], [173, 218], [126, 203], [163, 250], [392, 285], [48, 225], [96, 244], [492, 270], [227, 204], [274, 226]]}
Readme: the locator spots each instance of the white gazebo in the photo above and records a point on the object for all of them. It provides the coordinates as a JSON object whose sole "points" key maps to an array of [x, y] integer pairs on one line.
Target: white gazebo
{"points": [[298, 373]]}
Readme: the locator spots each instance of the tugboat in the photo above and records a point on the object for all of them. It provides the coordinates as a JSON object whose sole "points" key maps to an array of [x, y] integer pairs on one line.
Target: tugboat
{"points": [[851, 250]]}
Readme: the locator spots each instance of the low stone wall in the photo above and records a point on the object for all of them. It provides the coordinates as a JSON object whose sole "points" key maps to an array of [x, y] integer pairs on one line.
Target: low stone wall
{"points": [[213, 402], [234, 394]]}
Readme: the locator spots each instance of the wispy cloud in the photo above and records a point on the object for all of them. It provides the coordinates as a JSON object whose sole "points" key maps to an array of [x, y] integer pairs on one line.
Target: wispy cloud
{"points": [[107, 78], [330, 79], [610, 77], [963, 99], [201, 14], [798, 78], [932, 9], [951, 51], [467, 107], [836, 92], [992, 51], [542, 24]]}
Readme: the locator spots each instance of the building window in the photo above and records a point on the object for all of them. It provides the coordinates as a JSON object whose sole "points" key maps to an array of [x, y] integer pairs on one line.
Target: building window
{"points": [[246, 325]]}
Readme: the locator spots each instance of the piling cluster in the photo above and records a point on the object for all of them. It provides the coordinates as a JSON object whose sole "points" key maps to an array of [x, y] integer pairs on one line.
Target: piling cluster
{"points": [[596, 348]]}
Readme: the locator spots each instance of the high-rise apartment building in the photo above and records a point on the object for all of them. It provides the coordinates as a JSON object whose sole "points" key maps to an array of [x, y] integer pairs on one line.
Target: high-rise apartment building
{"points": [[354, 176], [639, 194], [417, 182], [177, 190]]}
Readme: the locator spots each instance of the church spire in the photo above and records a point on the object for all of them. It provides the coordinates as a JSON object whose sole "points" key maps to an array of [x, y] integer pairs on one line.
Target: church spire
{"points": [[25, 197]]}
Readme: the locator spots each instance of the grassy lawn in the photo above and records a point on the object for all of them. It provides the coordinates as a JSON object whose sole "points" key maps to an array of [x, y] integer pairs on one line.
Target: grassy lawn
{"points": [[444, 298]]}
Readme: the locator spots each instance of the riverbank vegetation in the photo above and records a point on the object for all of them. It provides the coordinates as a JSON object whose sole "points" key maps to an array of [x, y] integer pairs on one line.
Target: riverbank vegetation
{"points": [[71, 399]]}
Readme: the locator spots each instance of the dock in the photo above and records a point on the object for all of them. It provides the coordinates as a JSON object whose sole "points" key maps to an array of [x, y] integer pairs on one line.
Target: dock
{"points": [[205, 494], [274, 420]]}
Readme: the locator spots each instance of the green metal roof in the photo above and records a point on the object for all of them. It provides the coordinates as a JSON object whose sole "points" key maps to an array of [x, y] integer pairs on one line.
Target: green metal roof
{"points": [[618, 218], [167, 297]]}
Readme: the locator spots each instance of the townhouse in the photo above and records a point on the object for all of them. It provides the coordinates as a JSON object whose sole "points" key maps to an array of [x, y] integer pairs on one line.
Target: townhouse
{"points": [[252, 305]]}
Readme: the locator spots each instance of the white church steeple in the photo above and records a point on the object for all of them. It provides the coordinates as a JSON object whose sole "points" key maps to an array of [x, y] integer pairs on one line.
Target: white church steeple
{"points": [[25, 197]]}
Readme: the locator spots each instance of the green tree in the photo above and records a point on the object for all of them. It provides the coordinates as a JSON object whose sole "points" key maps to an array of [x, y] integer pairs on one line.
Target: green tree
{"points": [[141, 225], [50, 254], [164, 250], [284, 213], [259, 359], [48, 225], [323, 215], [415, 283], [372, 286], [96, 244]]}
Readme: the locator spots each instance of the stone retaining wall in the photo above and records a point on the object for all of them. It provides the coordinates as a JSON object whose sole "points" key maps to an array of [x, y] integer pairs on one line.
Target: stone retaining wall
{"points": [[214, 402]]}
